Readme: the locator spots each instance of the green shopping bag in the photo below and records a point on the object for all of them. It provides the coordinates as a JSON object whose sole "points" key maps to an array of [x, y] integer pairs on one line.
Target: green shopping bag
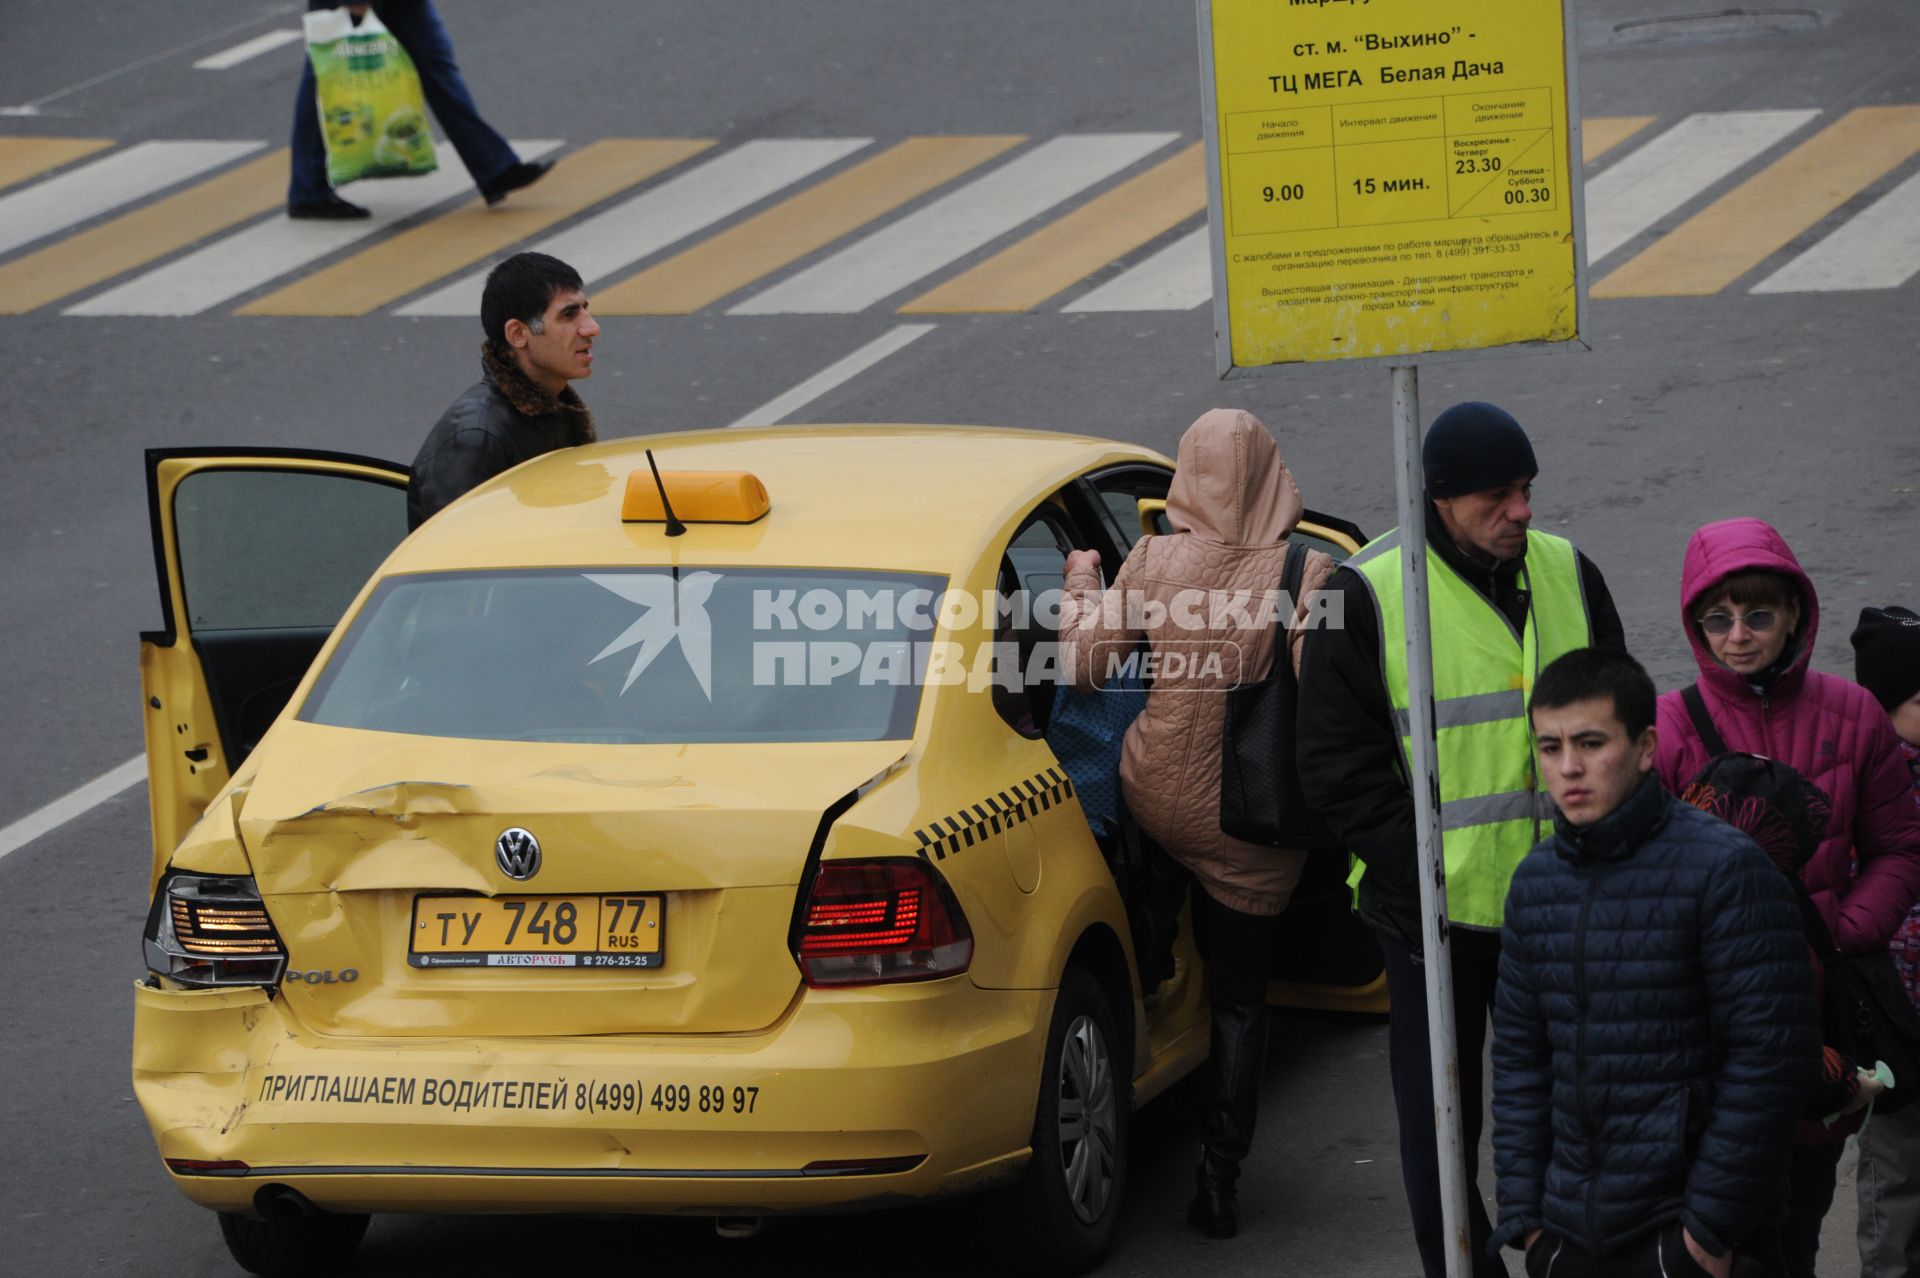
{"points": [[372, 113]]}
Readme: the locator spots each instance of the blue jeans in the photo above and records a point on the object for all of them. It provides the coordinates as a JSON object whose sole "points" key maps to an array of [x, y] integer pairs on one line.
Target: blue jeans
{"points": [[418, 29]]}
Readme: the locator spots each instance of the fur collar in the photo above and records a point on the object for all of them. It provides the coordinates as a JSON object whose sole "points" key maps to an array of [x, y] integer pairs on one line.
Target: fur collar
{"points": [[531, 399]]}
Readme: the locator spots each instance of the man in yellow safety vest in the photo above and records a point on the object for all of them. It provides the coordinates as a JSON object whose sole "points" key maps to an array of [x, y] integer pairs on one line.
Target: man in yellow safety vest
{"points": [[1503, 602]]}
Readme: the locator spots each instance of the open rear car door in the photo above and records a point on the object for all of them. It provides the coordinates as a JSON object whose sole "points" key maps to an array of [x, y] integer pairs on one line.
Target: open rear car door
{"points": [[259, 551]]}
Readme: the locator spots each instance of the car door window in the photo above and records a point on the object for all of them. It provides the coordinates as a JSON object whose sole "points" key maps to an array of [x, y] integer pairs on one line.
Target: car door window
{"points": [[1033, 568], [269, 559], [277, 549], [1120, 490]]}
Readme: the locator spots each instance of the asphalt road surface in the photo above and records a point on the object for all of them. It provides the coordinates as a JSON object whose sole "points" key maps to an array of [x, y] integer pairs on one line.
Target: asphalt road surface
{"points": [[1765, 396]]}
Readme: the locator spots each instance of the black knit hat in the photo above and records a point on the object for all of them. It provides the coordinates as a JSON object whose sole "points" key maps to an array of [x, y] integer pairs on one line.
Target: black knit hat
{"points": [[1473, 447], [1886, 654]]}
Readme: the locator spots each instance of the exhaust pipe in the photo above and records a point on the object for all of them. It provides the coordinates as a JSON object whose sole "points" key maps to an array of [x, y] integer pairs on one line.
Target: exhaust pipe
{"points": [[736, 1226], [283, 1203]]}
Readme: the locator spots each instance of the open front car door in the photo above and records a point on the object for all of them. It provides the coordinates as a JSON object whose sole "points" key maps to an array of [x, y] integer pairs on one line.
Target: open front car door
{"points": [[259, 552]]}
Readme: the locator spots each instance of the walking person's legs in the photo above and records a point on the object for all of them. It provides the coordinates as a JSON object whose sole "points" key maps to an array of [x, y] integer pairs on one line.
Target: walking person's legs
{"points": [[309, 193], [1811, 1193], [489, 158], [1475, 965], [1239, 950], [1889, 1230]]}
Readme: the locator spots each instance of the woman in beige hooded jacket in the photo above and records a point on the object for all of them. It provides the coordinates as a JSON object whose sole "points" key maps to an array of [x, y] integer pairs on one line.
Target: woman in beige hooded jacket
{"points": [[1232, 505]]}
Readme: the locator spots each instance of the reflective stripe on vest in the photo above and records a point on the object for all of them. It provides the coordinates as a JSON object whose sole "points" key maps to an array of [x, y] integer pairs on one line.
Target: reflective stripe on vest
{"points": [[1491, 813]]}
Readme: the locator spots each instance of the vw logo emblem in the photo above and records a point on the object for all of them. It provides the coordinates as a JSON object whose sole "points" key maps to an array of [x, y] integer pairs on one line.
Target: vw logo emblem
{"points": [[518, 853]]}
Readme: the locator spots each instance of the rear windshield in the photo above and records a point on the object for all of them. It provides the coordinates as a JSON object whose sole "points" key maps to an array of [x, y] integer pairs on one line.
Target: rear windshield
{"points": [[633, 657]]}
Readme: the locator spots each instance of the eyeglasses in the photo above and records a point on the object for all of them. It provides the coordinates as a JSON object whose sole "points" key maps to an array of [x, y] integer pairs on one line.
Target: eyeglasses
{"points": [[1759, 620]]}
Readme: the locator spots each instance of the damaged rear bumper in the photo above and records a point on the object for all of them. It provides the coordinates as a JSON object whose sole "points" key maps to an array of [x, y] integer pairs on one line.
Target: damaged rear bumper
{"points": [[857, 1098]]}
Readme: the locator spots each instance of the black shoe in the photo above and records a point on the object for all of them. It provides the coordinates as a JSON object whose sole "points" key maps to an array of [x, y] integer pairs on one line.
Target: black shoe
{"points": [[331, 209], [522, 173], [1215, 1209]]}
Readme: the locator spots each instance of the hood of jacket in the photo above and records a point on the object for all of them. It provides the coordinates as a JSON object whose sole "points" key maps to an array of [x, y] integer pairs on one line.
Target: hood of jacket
{"points": [[530, 399], [1230, 484], [1716, 552]]}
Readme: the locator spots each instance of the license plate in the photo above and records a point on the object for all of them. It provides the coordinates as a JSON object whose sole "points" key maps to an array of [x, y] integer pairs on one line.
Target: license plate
{"points": [[623, 930]]}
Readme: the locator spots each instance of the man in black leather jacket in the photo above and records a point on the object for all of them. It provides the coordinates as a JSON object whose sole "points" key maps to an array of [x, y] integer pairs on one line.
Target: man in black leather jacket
{"points": [[539, 339]]}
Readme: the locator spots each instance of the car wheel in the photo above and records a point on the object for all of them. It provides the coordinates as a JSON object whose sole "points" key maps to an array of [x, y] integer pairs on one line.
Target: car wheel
{"points": [[310, 1247], [1059, 1217]]}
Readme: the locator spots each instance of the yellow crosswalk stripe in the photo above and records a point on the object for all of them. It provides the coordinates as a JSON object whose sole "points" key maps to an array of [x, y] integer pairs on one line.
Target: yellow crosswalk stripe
{"points": [[433, 250], [1756, 219], [1603, 133], [796, 227], [1068, 250], [148, 232], [22, 158]]}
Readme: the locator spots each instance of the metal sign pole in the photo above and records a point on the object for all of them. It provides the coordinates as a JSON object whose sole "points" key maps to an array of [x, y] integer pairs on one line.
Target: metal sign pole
{"points": [[1426, 807]]}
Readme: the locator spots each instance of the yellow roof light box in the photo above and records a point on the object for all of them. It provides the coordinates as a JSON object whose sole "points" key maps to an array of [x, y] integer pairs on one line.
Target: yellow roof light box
{"points": [[694, 496]]}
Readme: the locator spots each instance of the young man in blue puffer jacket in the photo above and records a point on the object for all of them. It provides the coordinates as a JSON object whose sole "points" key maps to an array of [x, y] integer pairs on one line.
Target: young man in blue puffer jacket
{"points": [[1655, 1031]]}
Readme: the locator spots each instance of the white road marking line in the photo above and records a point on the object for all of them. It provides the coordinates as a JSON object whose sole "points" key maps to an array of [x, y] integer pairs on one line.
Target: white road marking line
{"points": [[278, 246], [1653, 181], [97, 187], [954, 225], [1877, 248], [33, 107], [248, 49], [1177, 278], [643, 225], [835, 374], [68, 806]]}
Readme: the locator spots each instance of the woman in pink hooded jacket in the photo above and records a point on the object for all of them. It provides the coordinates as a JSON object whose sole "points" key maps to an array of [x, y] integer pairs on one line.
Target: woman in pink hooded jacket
{"points": [[1752, 615]]}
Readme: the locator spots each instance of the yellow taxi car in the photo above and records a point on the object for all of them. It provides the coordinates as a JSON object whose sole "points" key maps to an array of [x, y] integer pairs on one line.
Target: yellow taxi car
{"points": [[636, 837]]}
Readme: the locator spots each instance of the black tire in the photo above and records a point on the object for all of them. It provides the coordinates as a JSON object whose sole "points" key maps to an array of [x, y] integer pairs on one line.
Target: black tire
{"points": [[311, 1247], [1059, 1217]]}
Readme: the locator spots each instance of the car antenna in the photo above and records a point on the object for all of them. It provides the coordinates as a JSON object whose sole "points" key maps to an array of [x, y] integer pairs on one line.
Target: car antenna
{"points": [[674, 526]]}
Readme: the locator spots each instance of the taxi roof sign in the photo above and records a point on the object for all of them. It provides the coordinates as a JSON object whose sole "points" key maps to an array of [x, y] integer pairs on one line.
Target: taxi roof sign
{"points": [[696, 496]]}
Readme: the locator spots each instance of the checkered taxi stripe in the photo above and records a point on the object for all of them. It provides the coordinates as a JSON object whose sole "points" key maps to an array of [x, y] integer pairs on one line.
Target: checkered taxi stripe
{"points": [[949, 835]]}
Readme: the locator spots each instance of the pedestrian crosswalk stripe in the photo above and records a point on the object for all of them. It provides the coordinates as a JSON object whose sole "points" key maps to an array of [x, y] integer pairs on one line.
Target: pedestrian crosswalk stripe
{"points": [[610, 242], [1878, 248], [142, 235], [1073, 247], [1603, 133], [103, 185], [1177, 278], [931, 224], [23, 158], [810, 220], [1628, 197], [954, 225], [470, 233], [1756, 219], [260, 254], [227, 59]]}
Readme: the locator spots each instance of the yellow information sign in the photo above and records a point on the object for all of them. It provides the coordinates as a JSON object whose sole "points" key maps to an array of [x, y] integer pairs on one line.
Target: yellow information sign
{"points": [[1390, 177]]}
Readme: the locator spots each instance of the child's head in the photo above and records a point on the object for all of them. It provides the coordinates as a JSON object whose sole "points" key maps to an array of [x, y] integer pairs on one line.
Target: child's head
{"points": [[1886, 661], [1592, 713]]}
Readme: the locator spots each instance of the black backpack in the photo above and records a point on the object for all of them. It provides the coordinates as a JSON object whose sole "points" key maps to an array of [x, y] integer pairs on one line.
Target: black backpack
{"points": [[1866, 1014]]}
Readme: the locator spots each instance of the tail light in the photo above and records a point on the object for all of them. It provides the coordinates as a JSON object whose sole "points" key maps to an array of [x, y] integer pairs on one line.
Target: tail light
{"points": [[209, 930], [874, 922]]}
